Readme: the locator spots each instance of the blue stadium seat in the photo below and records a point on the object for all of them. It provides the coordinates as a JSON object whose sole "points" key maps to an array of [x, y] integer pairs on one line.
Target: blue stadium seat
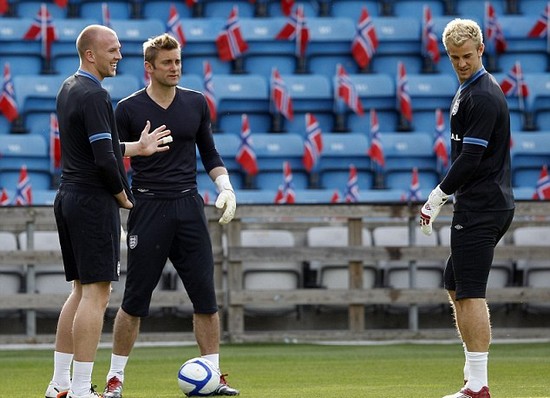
{"points": [[330, 35], [529, 153], [222, 8], [227, 146], [539, 97], [403, 152], [382, 195], [11, 37], [387, 63], [313, 195], [414, 8], [195, 64], [131, 65], [352, 8], [22, 64], [120, 86], [310, 93], [5, 126], [339, 152], [24, 149], [29, 9], [311, 8], [200, 35], [43, 197], [325, 64], [192, 81], [255, 196], [271, 151], [532, 7], [397, 35], [132, 33], [120, 9], [36, 93], [520, 112], [64, 55], [476, 9], [429, 92], [160, 9]]}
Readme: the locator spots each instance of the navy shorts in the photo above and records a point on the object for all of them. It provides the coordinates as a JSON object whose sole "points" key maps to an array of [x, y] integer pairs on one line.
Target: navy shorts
{"points": [[474, 236], [175, 228], [88, 223]]}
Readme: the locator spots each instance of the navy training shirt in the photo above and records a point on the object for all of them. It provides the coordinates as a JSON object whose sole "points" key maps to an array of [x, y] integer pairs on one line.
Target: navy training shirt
{"points": [[188, 118], [480, 175]]}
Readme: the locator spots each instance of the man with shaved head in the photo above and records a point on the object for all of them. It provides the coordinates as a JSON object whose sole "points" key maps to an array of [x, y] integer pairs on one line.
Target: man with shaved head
{"points": [[93, 188]]}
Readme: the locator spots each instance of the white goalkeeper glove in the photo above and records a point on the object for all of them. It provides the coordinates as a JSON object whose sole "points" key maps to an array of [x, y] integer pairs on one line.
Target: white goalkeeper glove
{"points": [[431, 208], [226, 199]]}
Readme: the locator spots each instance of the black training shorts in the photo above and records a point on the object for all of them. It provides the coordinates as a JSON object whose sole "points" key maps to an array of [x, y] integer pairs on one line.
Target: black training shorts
{"points": [[474, 236]]}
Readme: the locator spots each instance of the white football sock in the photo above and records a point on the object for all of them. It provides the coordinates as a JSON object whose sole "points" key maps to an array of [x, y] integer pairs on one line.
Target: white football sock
{"points": [[466, 363], [478, 370], [118, 363], [214, 358], [82, 377], [62, 368]]}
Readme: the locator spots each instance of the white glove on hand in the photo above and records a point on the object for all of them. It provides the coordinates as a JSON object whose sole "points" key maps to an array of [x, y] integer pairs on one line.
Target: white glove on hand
{"points": [[226, 199], [431, 208]]}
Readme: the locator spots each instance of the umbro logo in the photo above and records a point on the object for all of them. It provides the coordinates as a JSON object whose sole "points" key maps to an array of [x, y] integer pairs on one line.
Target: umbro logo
{"points": [[458, 227]]}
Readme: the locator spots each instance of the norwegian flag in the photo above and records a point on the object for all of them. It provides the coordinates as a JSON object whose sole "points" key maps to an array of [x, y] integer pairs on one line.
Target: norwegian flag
{"points": [[206, 197], [347, 92], [23, 194], [55, 144], [174, 27], [365, 41], [440, 149], [493, 31], [105, 15], [286, 7], [351, 194], [540, 29], [542, 191], [313, 144], [280, 97], [230, 42], [375, 151], [209, 91], [191, 3], [4, 7], [403, 99], [414, 190], [4, 198], [285, 193], [8, 106], [430, 47], [44, 29], [245, 155], [295, 28], [335, 198], [61, 3], [513, 83]]}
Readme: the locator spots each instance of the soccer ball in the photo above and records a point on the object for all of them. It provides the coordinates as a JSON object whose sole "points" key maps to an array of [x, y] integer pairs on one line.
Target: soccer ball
{"points": [[198, 377]]}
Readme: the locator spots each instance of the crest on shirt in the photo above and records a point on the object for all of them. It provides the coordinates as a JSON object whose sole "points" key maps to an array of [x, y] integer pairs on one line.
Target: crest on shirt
{"points": [[132, 241], [455, 107]]}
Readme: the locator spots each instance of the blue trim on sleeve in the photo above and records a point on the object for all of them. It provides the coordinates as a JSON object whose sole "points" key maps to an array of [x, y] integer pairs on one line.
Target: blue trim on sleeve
{"points": [[475, 141], [99, 136]]}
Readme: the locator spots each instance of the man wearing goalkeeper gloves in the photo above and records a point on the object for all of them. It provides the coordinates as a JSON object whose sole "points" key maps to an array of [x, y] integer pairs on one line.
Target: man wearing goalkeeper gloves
{"points": [[168, 219], [479, 179]]}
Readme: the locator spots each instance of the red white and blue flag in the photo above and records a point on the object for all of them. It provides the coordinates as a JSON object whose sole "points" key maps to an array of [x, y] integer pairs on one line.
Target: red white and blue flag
{"points": [[4, 7], [414, 190], [23, 194], [313, 144], [61, 3], [542, 191], [174, 27], [375, 151], [430, 46], [285, 193], [335, 198], [209, 91], [494, 36], [245, 155], [191, 3], [513, 83], [230, 42], [4, 198], [346, 91], [440, 149], [351, 194], [296, 28], [280, 97], [286, 7], [404, 104], [365, 41], [43, 28], [105, 15], [540, 29], [8, 106], [55, 144]]}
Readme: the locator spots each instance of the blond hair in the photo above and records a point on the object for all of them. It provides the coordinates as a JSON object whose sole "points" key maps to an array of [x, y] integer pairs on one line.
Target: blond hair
{"points": [[460, 30]]}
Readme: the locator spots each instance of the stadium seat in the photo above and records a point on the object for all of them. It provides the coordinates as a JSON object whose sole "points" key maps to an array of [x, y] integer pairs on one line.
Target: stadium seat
{"points": [[255, 196], [403, 152], [352, 8], [270, 275], [397, 35], [330, 35], [35, 93], [382, 195], [313, 195], [529, 153], [227, 146], [200, 35], [22, 64], [120, 86], [64, 55], [339, 152], [24, 149], [118, 9], [29, 9], [11, 37], [311, 8], [222, 8], [532, 7], [414, 8], [271, 151], [132, 33], [539, 98], [476, 9], [160, 9]]}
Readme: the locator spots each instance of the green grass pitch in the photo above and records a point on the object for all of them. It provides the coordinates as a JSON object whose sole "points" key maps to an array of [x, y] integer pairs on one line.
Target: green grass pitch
{"points": [[303, 370]]}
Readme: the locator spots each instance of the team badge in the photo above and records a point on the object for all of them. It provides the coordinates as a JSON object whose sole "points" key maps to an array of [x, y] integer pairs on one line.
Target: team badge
{"points": [[455, 107], [132, 241]]}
